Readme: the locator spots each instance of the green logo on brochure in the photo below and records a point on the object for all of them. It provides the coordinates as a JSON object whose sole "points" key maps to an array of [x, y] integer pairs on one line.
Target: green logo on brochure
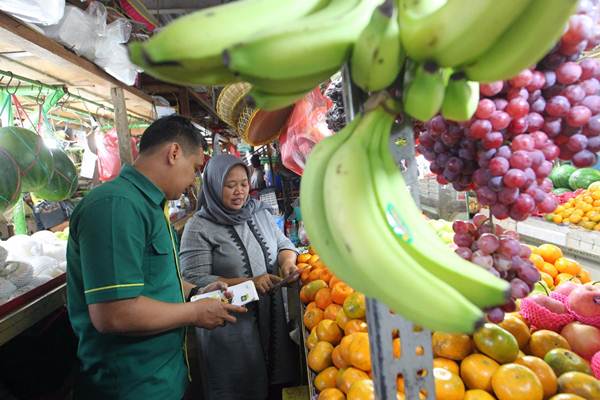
{"points": [[398, 226]]}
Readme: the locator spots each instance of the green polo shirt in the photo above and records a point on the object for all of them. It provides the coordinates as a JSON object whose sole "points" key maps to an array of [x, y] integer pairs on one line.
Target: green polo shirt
{"points": [[120, 247]]}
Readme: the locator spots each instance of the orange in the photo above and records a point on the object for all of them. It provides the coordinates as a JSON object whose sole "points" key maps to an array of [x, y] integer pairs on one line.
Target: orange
{"points": [[337, 359], [323, 298], [360, 355], [332, 394], [311, 305], [355, 325], [315, 274], [348, 377], [355, 305], [304, 295], [477, 370], [326, 378], [445, 363], [543, 371], [345, 348], [333, 281], [326, 275], [339, 293], [455, 346], [563, 277], [313, 259], [550, 269], [477, 394], [547, 279], [302, 266], [312, 339], [319, 357], [341, 318], [537, 260], [567, 266], [362, 390], [518, 328], [328, 331], [303, 258], [313, 287], [313, 317], [448, 386], [304, 276], [584, 276], [331, 311], [397, 347], [550, 252], [516, 382], [534, 249], [543, 341]]}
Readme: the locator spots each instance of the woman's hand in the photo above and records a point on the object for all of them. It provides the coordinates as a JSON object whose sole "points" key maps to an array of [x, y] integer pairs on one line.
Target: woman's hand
{"points": [[265, 282], [290, 269], [211, 287]]}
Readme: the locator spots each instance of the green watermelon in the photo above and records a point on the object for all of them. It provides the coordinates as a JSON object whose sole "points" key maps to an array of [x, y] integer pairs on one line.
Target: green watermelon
{"points": [[559, 191], [583, 177], [10, 181], [30, 153], [63, 182], [560, 175]]}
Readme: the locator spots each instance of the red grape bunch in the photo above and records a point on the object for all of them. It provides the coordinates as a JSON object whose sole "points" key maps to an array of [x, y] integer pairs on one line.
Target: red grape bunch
{"points": [[499, 252]]}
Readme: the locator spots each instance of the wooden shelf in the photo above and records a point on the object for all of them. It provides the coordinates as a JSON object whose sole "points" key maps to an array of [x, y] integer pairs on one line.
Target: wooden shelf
{"points": [[27, 52]]}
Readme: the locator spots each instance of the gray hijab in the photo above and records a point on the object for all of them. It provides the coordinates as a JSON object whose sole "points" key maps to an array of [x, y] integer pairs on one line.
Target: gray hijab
{"points": [[211, 198]]}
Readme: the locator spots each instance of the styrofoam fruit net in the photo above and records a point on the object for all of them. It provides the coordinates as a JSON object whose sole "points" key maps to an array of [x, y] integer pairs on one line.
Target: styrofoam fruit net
{"points": [[560, 297], [6, 288], [19, 273], [542, 318], [596, 365], [594, 321]]}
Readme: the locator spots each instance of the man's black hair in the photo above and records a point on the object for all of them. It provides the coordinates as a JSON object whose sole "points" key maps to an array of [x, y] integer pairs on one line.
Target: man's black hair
{"points": [[255, 161], [172, 128]]}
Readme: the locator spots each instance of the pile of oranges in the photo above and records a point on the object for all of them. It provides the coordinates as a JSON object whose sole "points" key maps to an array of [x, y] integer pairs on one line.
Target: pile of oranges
{"points": [[555, 268], [464, 368], [583, 211]]}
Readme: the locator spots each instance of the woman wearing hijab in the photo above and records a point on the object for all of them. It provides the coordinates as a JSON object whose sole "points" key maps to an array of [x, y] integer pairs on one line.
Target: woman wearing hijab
{"points": [[233, 238]]}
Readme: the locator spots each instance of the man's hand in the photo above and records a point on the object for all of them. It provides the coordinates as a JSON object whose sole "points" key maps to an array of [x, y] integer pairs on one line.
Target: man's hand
{"points": [[211, 313], [290, 269], [265, 282], [211, 287]]}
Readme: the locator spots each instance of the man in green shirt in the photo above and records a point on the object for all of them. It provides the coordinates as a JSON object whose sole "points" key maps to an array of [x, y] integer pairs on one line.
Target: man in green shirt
{"points": [[125, 295]]}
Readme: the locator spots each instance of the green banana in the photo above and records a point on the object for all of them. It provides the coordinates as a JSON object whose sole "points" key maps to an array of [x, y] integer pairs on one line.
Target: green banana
{"points": [[290, 85], [310, 45], [481, 34], [394, 198], [179, 75], [270, 101], [200, 37], [460, 98], [424, 34], [359, 228], [377, 57], [312, 197], [525, 42], [424, 91]]}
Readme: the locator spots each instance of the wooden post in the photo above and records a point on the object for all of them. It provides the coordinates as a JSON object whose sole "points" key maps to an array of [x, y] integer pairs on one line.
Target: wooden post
{"points": [[184, 103], [122, 125]]}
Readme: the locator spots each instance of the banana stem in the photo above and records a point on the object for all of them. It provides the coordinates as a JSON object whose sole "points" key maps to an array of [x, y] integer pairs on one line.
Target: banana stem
{"points": [[491, 219]]}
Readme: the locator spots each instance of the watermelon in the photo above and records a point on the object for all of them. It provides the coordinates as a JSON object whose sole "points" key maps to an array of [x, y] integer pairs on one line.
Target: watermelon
{"points": [[30, 153], [583, 177], [63, 182], [560, 175], [559, 191], [10, 181]]}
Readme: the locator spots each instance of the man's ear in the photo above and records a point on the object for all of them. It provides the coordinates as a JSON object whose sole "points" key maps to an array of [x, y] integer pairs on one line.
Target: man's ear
{"points": [[174, 152]]}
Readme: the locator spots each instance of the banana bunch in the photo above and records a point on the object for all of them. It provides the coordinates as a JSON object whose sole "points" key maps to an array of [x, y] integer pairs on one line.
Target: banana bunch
{"points": [[487, 39], [361, 218]]}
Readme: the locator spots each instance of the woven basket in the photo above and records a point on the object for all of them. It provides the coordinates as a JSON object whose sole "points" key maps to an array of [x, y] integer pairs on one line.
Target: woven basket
{"points": [[258, 127], [230, 102]]}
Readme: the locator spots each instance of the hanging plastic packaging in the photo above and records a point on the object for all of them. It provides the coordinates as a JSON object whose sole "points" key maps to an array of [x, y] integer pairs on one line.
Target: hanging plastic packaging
{"points": [[109, 159], [43, 12]]}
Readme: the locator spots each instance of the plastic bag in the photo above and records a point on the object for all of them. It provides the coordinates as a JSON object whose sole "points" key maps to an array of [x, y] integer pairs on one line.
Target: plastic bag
{"points": [[306, 126], [109, 158], [76, 30], [43, 12]]}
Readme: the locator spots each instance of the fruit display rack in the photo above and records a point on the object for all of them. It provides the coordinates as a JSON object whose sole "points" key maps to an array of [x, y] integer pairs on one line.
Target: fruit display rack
{"points": [[441, 201]]}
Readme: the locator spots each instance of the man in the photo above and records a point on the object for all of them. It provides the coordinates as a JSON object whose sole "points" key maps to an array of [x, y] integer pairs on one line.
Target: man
{"points": [[257, 180], [125, 295]]}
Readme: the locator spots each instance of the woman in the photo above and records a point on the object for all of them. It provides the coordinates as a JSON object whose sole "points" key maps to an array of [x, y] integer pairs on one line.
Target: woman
{"points": [[234, 239]]}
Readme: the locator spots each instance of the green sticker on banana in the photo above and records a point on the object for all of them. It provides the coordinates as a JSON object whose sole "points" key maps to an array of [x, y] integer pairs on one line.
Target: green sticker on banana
{"points": [[398, 226]]}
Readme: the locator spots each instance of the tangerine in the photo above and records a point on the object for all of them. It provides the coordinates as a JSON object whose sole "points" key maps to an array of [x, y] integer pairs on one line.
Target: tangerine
{"points": [[355, 325], [455, 346], [362, 390], [331, 311], [337, 359], [347, 378], [584, 276], [332, 394], [477, 370], [516, 382], [319, 357], [518, 328], [550, 252], [537, 260], [326, 378], [543, 371], [312, 339], [550, 269], [311, 305], [448, 386], [315, 274], [303, 258], [478, 394], [445, 363], [323, 298], [313, 259], [312, 317], [339, 292], [360, 355], [328, 331], [568, 266], [355, 306], [345, 348], [341, 318]]}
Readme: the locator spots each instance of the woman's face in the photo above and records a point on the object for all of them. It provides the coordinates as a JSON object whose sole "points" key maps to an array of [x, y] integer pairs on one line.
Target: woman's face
{"points": [[236, 188]]}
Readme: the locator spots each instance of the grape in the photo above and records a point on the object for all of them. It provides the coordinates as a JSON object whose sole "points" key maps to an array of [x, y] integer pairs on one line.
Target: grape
{"points": [[491, 89], [525, 252], [517, 92], [482, 260], [486, 196], [592, 102], [523, 142], [504, 152], [459, 226], [552, 126], [574, 93], [481, 177], [441, 180], [492, 140], [514, 178], [500, 104], [518, 288], [538, 80], [439, 147], [496, 184], [488, 243], [550, 79], [546, 185], [518, 125], [584, 158], [455, 165], [539, 139], [502, 263], [590, 67], [577, 143], [523, 79], [544, 169], [449, 139], [591, 86], [518, 107], [572, 51], [500, 120], [508, 195], [529, 176], [495, 315], [529, 274], [463, 239], [442, 159], [426, 139], [568, 73], [464, 252], [558, 106], [509, 307], [479, 219], [593, 144], [500, 211], [524, 204], [520, 159], [536, 156], [485, 109], [498, 166], [538, 105], [438, 124], [479, 128], [534, 122], [580, 28], [509, 247], [579, 116], [548, 205]]}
